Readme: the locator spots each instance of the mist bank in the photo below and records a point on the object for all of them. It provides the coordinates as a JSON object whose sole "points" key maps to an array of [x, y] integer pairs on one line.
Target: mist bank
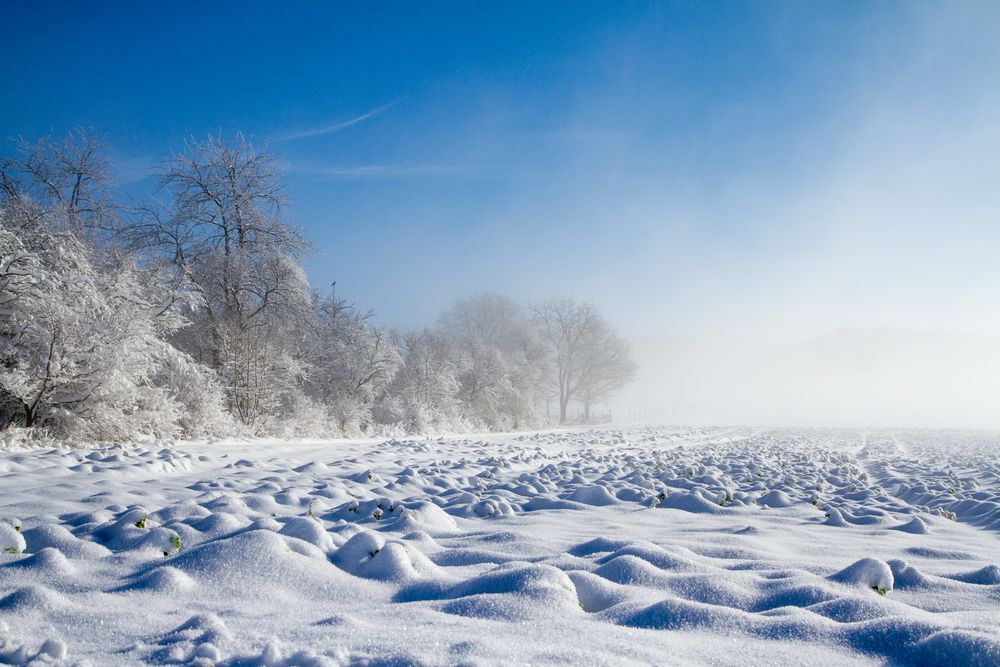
{"points": [[851, 377]]}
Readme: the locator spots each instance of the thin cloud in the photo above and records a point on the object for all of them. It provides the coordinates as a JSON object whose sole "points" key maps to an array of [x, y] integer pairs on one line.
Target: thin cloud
{"points": [[129, 169], [383, 172], [336, 127]]}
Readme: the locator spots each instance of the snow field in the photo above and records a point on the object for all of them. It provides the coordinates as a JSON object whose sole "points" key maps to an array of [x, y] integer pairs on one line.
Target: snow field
{"points": [[637, 546]]}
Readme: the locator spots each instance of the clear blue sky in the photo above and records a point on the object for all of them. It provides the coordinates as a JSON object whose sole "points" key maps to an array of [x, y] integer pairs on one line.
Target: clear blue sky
{"points": [[706, 164]]}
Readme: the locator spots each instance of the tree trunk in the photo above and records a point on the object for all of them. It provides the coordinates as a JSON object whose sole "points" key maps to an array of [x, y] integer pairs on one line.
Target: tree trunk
{"points": [[563, 403]]}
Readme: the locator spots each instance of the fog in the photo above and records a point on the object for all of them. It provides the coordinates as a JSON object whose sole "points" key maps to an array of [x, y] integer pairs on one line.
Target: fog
{"points": [[849, 377], [865, 290]]}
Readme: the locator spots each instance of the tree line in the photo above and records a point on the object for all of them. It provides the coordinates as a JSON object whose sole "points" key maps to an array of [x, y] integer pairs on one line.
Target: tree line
{"points": [[189, 314]]}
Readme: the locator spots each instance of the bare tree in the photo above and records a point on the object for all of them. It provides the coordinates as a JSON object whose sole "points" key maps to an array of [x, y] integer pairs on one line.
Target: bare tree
{"points": [[591, 358], [223, 233], [68, 181]]}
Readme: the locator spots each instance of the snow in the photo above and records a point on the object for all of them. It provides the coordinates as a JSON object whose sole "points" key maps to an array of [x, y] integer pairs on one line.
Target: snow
{"points": [[644, 545]]}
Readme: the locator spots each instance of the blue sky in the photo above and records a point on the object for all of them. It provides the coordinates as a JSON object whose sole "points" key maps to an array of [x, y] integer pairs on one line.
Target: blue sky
{"points": [[697, 166]]}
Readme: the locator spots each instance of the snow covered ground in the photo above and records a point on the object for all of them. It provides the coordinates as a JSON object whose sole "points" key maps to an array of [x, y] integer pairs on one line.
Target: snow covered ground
{"points": [[650, 545]]}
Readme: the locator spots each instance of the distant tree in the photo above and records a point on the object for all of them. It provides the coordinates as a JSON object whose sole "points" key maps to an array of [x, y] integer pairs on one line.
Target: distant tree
{"points": [[500, 359], [424, 393], [591, 359], [351, 362]]}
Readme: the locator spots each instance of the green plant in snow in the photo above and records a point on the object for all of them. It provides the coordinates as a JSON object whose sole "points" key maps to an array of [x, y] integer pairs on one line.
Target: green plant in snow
{"points": [[377, 514], [878, 589], [175, 543], [141, 523]]}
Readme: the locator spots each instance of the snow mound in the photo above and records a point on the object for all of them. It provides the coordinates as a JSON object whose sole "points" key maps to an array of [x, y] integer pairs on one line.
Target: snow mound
{"points": [[985, 576], [369, 555], [776, 498], [905, 575], [513, 592], [48, 561], [34, 598], [692, 501], [957, 647], [834, 517], [425, 516], [593, 495], [251, 562], [915, 526], [870, 572], [165, 579], [308, 530]]}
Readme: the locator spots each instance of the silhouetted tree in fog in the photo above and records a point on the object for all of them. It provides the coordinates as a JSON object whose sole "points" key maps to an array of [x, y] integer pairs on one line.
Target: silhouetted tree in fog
{"points": [[591, 359]]}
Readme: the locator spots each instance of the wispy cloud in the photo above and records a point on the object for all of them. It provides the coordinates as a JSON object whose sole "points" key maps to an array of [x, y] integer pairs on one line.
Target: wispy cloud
{"points": [[383, 172], [129, 169], [335, 127]]}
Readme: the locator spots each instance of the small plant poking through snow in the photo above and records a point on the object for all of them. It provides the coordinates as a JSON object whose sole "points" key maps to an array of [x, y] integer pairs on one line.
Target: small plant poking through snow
{"points": [[377, 514], [11, 540], [141, 523], [175, 545]]}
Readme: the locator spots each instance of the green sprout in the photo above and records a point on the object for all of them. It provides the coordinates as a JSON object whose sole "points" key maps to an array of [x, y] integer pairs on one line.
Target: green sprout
{"points": [[175, 542], [141, 523]]}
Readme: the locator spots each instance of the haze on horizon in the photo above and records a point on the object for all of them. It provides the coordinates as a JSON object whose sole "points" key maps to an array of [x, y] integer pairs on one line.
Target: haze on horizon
{"points": [[790, 207]]}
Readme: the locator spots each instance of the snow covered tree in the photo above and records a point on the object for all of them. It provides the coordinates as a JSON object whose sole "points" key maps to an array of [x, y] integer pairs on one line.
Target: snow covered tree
{"points": [[351, 363], [591, 359], [69, 180], [500, 358], [224, 236], [78, 339], [83, 326], [424, 393]]}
